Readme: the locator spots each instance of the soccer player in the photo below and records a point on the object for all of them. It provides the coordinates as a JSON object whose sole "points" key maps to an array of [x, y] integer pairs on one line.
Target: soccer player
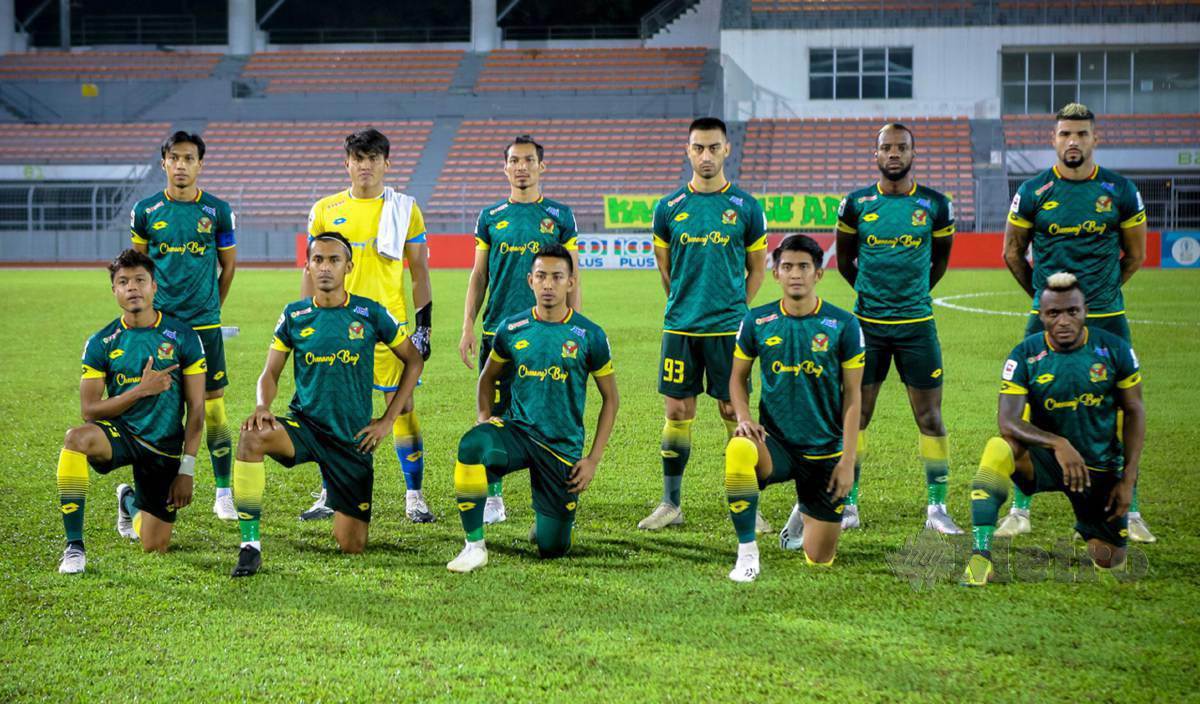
{"points": [[710, 244], [508, 235], [1088, 221], [332, 337], [142, 397], [893, 246], [189, 234], [1074, 378], [552, 350], [811, 365], [386, 229]]}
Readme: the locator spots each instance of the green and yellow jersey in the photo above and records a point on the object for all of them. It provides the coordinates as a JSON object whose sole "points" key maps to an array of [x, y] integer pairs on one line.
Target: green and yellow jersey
{"points": [[333, 360], [800, 363], [1076, 226], [117, 354], [357, 219], [1071, 394], [895, 235], [550, 363], [512, 234], [708, 236], [183, 240]]}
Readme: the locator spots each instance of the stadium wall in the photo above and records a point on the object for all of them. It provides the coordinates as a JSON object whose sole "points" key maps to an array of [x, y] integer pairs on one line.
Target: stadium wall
{"points": [[956, 70]]}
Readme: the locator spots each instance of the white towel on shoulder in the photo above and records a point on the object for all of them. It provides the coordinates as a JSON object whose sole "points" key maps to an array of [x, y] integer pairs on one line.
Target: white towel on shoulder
{"points": [[393, 223]]}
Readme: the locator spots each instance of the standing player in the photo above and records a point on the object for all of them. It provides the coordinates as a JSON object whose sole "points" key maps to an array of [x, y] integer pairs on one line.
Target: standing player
{"points": [[1075, 378], [811, 359], [1086, 220], [190, 236], [893, 246], [386, 229], [143, 377], [508, 235], [710, 244], [333, 337], [552, 351]]}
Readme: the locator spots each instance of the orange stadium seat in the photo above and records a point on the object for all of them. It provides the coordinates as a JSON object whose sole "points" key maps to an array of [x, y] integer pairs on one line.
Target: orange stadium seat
{"points": [[625, 69], [107, 65], [350, 71], [1035, 131], [92, 143]]}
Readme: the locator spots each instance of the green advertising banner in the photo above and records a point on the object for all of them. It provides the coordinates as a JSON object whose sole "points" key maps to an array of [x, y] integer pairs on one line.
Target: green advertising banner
{"points": [[785, 211]]}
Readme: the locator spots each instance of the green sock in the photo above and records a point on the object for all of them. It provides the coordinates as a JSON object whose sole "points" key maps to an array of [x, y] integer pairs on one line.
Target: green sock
{"points": [[676, 448], [470, 490], [249, 483], [852, 497], [935, 455], [219, 440], [1021, 500], [129, 505], [983, 539], [496, 488], [1134, 507], [741, 486], [73, 481], [989, 489], [553, 535]]}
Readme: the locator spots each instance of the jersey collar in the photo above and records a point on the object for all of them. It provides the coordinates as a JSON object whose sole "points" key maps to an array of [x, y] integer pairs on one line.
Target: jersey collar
{"points": [[910, 192], [536, 202], [728, 185], [570, 312], [1046, 337], [820, 302], [157, 322], [168, 196], [344, 303], [1058, 174]]}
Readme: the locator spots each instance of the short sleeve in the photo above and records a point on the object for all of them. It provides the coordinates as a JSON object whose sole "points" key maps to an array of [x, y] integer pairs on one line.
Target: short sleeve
{"points": [[568, 232], [283, 337], [95, 362], [746, 347], [387, 330], [1014, 377], [943, 219], [599, 359], [483, 237], [1131, 209], [1128, 370], [661, 227], [416, 226], [226, 228], [756, 226], [316, 223], [847, 216], [137, 226], [1023, 209], [852, 346], [500, 351], [191, 354]]}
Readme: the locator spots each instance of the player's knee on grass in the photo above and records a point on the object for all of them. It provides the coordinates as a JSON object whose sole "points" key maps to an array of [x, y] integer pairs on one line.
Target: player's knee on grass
{"points": [[553, 536], [350, 533], [154, 534], [1106, 555]]}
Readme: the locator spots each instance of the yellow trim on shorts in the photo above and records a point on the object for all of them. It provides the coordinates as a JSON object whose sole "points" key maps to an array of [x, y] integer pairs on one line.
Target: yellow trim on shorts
{"points": [[605, 370], [737, 352], [200, 366], [858, 361], [278, 345], [823, 457], [1011, 389], [206, 327], [1130, 381], [760, 244], [1019, 221], [893, 322], [700, 334], [1137, 219], [558, 457], [92, 373], [945, 231]]}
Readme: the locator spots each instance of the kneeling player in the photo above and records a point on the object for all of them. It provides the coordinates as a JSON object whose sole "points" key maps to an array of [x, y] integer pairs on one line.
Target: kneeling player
{"points": [[1075, 378], [152, 368], [552, 351], [811, 359], [333, 335]]}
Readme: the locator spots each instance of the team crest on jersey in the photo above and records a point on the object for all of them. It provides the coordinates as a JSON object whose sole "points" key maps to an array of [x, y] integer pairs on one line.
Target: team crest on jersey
{"points": [[1045, 187], [1104, 204], [920, 217], [521, 344], [570, 349], [820, 342], [1098, 372], [159, 225], [729, 217], [502, 224], [546, 227], [204, 225], [111, 337], [356, 330], [166, 351]]}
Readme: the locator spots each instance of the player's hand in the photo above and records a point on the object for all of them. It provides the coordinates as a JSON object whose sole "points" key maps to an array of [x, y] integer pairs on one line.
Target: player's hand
{"points": [[420, 340], [495, 420], [841, 481], [370, 436], [466, 348], [752, 430], [1075, 472], [581, 475], [261, 419], [1119, 500], [154, 381], [180, 493]]}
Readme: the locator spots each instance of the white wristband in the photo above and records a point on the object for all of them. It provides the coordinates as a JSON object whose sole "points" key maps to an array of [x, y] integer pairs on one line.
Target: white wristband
{"points": [[187, 465]]}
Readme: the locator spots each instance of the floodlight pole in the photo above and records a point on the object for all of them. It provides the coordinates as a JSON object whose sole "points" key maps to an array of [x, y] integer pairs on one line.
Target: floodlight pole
{"points": [[484, 29], [64, 24], [8, 28], [241, 27]]}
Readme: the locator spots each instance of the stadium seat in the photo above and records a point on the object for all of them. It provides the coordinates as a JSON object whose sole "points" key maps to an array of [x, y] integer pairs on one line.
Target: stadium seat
{"points": [[1035, 131], [81, 143], [107, 66], [354, 71], [585, 70]]}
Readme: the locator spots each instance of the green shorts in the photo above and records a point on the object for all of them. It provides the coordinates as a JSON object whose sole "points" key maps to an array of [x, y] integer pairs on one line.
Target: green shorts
{"points": [[214, 356], [915, 348], [811, 476], [1116, 324], [503, 393], [1091, 518], [153, 471], [688, 361], [349, 474], [511, 449]]}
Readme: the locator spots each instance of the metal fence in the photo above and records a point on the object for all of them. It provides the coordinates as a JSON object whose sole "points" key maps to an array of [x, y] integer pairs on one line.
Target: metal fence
{"points": [[42, 207]]}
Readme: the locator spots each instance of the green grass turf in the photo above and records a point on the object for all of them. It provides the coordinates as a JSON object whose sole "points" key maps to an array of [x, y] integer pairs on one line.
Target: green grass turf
{"points": [[630, 615]]}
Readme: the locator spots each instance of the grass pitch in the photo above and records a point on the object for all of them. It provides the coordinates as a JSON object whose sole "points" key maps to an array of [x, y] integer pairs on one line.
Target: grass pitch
{"points": [[629, 616]]}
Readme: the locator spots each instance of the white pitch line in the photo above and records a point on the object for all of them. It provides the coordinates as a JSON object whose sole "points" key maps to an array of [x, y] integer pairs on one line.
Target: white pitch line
{"points": [[944, 302]]}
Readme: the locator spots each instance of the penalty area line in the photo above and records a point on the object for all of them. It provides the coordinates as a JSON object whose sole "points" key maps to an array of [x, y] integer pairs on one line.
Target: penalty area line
{"points": [[947, 302]]}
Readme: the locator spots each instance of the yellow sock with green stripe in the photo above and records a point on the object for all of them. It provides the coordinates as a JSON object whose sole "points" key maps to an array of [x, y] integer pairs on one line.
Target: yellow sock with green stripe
{"points": [[676, 448], [73, 481], [219, 440], [989, 489], [741, 486], [470, 491], [249, 483], [859, 452], [935, 455], [410, 449]]}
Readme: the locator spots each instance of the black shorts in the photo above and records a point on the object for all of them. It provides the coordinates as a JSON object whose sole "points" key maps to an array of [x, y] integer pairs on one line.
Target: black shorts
{"points": [[153, 471], [513, 450], [1116, 324], [214, 356], [915, 348], [811, 476], [688, 361], [349, 474], [1091, 518]]}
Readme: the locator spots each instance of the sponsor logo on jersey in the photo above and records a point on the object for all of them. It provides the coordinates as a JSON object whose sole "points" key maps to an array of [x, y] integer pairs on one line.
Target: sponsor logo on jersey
{"points": [[1045, 187], [766, 319], [188, 248], [1036, 358], [364, 506], [498, 208], [209, 209], [1104, 204], [171, 334], [901, 241], [729, 217], [519, 324], [502, 224], [681, 217], [297, 313], [866, 199], [154, 207], [339, 221], [532, 247], [1098, 373], [714, 237], [166, 351], [920, 217], [115, 353], [521, 344], [1016, 204], [736, 200], [1044, 378], [1010, 368], [553, 211], [111, 337], [1087, 400], [546, 226], [820, 342], [924, 203], [218, 376], [122, 380], [936, 373], [806, 367], [676, 199], [159, 225], [1111, 187], [570, 349], [356, 330], [343, 356], [307, 332], [772, 341], [1087, 227], [829, 323], [361, 310], [870, 217], [1050, 205], [204, 225], [553, 373], [578, 331]]}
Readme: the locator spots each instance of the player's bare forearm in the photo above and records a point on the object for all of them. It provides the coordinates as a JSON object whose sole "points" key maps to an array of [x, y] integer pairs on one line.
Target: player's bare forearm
{"points": [[407, 353], [941, 259], [575, 298], [1133, 430], [1012, 426], [418, 267], [227, 258], [662, 258], [756, 269], [93, 406], [1016, 244], [476, 288], [847, 256], [851, 409], [739, 395], [610, 400], [193, 396], [1133, 248], [485, 391], [268, 381]]}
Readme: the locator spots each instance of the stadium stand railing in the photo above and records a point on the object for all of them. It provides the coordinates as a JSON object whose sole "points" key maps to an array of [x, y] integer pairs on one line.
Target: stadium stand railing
{"points": [[107, 66], [354, 71], [586, 70], [1035, 131], [822, 14]]}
